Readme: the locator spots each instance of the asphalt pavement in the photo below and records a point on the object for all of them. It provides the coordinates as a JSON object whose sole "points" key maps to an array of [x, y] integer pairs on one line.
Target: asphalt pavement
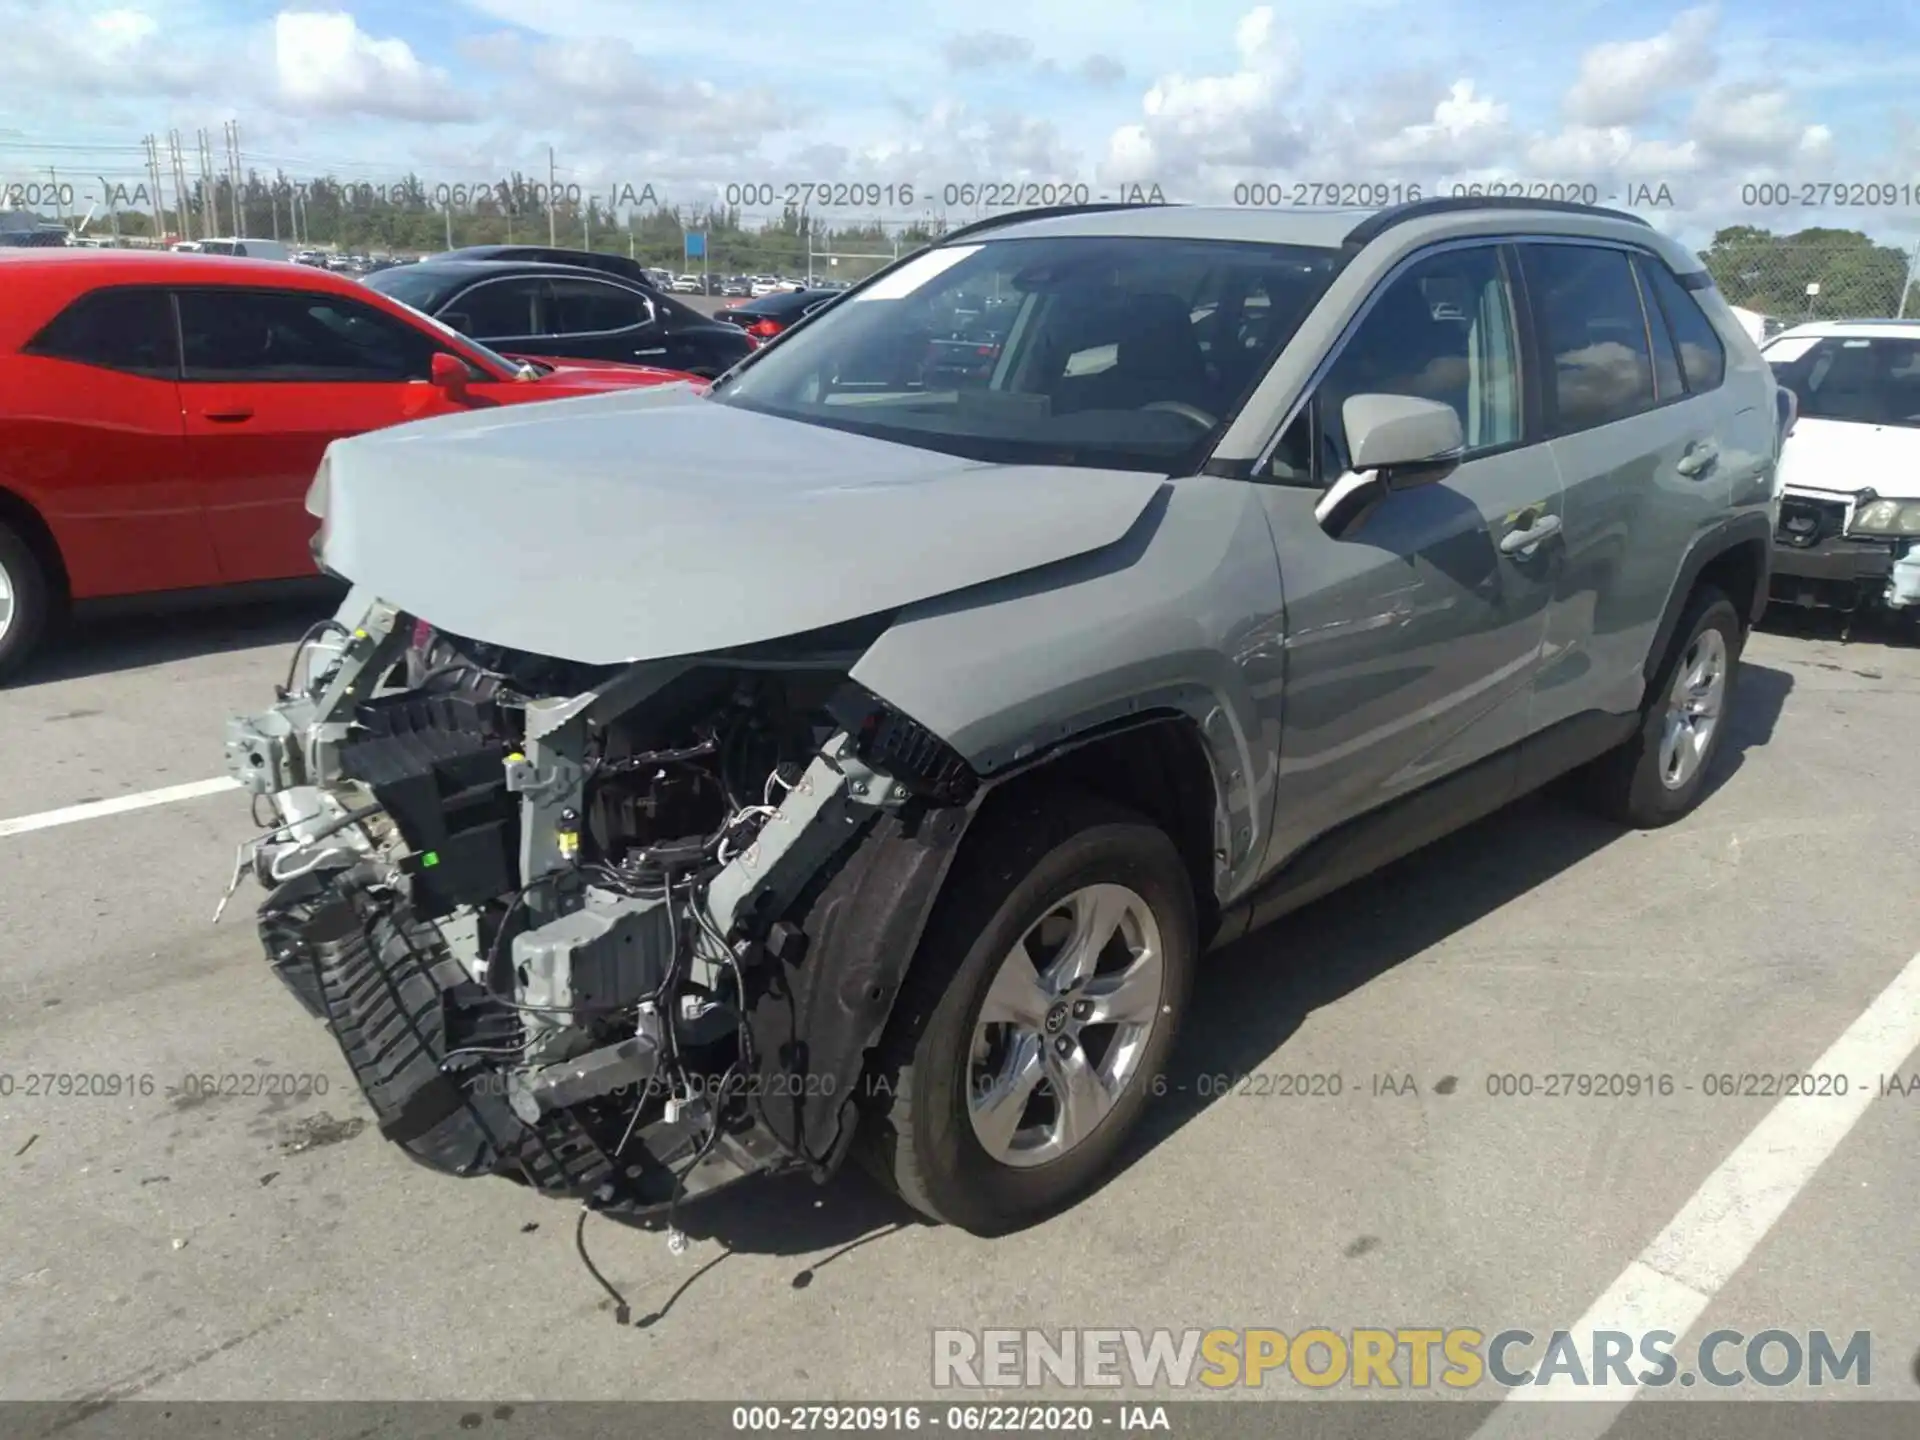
{"points": [[160, 1244]]}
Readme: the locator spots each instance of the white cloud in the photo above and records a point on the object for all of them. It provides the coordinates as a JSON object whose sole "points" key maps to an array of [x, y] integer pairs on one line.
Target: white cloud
{"points": [[1467, 129], [324, 61], [1753, 123], [952, 141], [1416, 91], [119, 50], [610, 99], [1195, 124], [1588, 150], [1625, 81], [122, 30]]}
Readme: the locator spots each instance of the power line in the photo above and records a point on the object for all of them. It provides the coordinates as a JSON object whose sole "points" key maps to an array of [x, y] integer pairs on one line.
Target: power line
{"points": [[70, 148]]}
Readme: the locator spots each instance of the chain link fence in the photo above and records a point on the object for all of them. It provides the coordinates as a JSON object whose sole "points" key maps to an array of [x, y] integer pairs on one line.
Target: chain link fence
{"points": [[1790, 282]]}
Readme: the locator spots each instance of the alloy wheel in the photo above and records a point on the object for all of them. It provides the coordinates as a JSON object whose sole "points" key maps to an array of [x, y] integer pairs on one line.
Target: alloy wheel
{"points": [[1064, 1025], [1694, 707]]}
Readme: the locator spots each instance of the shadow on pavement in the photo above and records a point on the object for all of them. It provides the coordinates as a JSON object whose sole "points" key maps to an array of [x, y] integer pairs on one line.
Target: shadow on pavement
{"points": [[1761, 697], [1253, 995], [104, 646]]}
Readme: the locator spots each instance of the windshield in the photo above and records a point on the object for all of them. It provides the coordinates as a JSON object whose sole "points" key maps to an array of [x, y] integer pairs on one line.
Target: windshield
{"points": [[1869, 380], [419, 286], [1112, 351]]}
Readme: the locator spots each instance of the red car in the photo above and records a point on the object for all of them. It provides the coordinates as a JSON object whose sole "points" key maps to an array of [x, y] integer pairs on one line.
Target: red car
{"points": [[162, 415]]}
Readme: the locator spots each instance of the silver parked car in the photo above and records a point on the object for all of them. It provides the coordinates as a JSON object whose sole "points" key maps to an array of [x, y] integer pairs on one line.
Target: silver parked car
{"points": [[860, 756]]}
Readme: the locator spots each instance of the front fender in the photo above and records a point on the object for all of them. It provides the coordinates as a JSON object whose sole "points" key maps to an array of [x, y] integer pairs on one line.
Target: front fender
{"points": [[1183, 615]]}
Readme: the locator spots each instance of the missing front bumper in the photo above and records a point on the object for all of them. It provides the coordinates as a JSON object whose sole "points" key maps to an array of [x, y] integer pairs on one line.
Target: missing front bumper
{"points": [[1836, 573]]}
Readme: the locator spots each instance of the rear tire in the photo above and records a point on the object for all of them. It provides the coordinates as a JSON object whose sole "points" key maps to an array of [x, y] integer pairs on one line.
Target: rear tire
{"points": [[1660, 774], [25, 602], [965, 1124]]}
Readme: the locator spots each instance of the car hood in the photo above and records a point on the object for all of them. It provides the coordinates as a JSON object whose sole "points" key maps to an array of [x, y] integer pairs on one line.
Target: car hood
{"points": [[657, 522], [1844, 456], [585, 375]]}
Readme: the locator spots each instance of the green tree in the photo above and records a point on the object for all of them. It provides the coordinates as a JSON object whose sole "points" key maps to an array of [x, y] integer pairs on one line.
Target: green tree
{"points": [[1762, 271]]}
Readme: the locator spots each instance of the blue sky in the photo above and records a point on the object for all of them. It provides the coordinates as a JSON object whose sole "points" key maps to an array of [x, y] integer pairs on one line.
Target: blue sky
{"points": [[1197, 98]]}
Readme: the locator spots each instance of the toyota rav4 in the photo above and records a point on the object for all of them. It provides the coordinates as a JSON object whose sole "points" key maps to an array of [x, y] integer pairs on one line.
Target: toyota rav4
{"points": [[860, 757]]}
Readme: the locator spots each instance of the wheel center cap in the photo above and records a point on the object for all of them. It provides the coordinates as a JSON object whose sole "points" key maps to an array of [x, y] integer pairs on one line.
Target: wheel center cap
{"points": [[1057, 1018]]}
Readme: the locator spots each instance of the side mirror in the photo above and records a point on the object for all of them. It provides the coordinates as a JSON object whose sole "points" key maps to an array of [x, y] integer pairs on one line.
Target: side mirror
{"points": [[1786, 404], [450, 374], [1396, 442]]}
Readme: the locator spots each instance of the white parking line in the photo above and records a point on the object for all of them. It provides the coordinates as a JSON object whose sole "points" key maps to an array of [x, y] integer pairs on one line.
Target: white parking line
{"points": [[1676, 1277], [118, 805]]}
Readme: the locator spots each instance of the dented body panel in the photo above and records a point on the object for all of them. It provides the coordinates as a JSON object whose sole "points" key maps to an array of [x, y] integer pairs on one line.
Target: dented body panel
{"points": [[1185, 616], [590, 530]]}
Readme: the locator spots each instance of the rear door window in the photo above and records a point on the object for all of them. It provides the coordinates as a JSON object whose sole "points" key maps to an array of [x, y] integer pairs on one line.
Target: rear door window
{"points": [[590, 307], [1595, 334]]}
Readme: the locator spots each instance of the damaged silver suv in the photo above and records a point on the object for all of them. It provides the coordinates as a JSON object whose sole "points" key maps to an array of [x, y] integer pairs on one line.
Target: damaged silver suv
{"points": [[858, 757]]}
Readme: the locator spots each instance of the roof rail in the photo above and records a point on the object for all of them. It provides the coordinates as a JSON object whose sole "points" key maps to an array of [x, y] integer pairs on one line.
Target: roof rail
{"points": [[1381, 221], [1047, 212]]}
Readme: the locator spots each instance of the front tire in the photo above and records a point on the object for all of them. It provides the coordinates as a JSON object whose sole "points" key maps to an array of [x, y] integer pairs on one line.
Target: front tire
{"points": [[1660, 774], [25, 602], [1042, 1006]]}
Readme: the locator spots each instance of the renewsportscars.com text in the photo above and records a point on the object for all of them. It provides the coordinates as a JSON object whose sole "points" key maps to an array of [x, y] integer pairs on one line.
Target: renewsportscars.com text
{"points": [[1390, 1359]]}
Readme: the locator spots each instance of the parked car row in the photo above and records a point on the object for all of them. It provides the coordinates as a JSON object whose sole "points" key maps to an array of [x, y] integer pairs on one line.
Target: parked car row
{"points": [[590, 314], [162, 415], [1849, 483], [774, 314], [1848, 533]]}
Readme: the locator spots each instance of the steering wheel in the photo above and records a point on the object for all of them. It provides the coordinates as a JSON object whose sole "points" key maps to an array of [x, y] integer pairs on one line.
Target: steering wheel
{"points": [[1184, 411]]}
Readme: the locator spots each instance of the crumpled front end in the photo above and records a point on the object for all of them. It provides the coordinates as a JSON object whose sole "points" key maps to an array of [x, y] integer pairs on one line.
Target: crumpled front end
{"points": [[1845, 551], [622, 933]]}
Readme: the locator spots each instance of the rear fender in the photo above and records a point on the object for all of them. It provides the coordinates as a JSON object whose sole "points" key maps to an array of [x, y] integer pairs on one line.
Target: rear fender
{"points": [[1750, 530]]}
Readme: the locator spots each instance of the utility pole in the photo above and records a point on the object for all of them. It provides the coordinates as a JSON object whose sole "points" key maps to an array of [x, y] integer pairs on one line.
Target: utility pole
{"points": [[446, 212], [233, 177], [182, 206], [159, 200], [209, 211], [59, 210], [1906, 288], [553, 180]]}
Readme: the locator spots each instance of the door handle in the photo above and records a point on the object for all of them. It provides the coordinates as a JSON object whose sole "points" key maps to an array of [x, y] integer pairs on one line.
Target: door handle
{"points": [[1699, 459], [656, 350], [229, 416], [1517, 542]]}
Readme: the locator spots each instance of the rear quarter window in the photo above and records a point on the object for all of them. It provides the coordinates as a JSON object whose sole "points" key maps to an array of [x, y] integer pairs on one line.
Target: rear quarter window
{"points": [[1703, 357], [130, 330]]}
